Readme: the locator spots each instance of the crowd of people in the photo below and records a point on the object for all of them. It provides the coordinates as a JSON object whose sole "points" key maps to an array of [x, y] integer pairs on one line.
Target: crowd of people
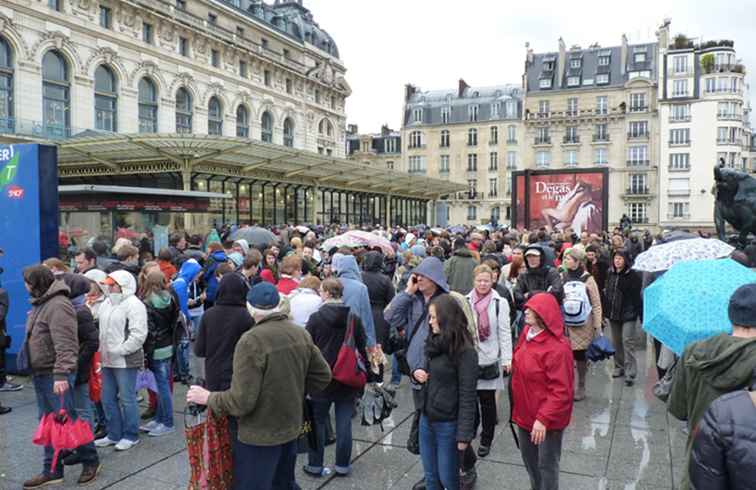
{"points": [[465, 317]]}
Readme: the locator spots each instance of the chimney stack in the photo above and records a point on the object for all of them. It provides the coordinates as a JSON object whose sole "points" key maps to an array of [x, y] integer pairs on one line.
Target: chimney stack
{"points": [[663, 34], [409, 91], [560, 64], [623, 54], [462, 87]]}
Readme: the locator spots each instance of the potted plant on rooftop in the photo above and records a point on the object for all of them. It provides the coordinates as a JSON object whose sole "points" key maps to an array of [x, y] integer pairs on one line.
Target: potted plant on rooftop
{"points": [[707, 63]]}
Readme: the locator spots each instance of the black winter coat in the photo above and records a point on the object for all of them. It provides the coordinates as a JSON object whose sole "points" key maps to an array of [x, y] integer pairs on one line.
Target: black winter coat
{"points": [[541, 279], [161, 326], [623, 294], [450, 394], [328, 327], [380, 290], [86, 328], [4, 306], [220, 329], [723, 456]]}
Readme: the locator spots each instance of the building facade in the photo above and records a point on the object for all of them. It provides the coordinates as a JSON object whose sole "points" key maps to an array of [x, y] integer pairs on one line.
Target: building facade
{"points": [[597, 108], [704, 121], [379, 150], [470, 135]]}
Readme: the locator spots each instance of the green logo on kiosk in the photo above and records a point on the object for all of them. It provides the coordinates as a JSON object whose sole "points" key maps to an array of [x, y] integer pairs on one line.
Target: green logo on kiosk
{"points": [[10, 168]]}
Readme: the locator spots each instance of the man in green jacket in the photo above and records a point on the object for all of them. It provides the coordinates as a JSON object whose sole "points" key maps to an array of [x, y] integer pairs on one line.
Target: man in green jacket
{"points": [[275, 365], [459, 268], [712, 367]]}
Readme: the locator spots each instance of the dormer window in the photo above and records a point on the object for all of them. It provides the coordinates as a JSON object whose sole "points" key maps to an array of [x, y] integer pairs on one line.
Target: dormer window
{"points": [[602, 79], [548, 66], [495, 110], [604, 60], [445, 112], [472, 113], [639, 58], [417, 115], [545, 83], [573, 81], [576, 63]]}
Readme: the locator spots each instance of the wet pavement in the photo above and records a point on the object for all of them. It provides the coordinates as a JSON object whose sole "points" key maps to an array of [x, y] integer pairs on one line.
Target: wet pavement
{"points": [[619, 438]]}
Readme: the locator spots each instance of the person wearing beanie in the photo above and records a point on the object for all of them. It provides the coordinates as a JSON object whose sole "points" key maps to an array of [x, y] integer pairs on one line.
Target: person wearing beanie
{"points": [[715, 366], [275, 364]]}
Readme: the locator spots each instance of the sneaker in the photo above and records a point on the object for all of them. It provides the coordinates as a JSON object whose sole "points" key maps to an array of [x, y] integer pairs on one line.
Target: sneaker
{"points": [[161, 430], [89, 473], [618, 373], [629, 381], [419, 485], [105, 442], [7, 386], [483, 451], [42, 480], [467, 479], [317, 474], [100, 431], [149, 426], [4, 410], [125, 444]]}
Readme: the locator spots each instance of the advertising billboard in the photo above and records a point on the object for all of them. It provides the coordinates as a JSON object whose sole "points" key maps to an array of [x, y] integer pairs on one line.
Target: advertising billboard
{"points": [[29, 225], [560, 199]]}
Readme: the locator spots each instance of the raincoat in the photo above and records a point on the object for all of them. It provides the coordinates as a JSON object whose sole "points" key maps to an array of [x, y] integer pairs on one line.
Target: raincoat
{"points": [[123, 326]]}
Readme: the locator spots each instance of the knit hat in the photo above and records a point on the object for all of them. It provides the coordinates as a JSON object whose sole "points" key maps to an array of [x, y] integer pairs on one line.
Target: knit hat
{"points": [[742, 308], [236, 258], [263, 296], [576, 253]]}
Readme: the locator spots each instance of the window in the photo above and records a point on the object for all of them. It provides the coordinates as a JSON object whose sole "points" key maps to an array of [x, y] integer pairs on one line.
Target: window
{"points": [[638, 103], [445, 112], [416, 139], [638, 184], [444, 138], [55, 4], [106, 99], [679, 161], [572, 106], [444, 164], [679, 112], [602, 132], [6, 87], [183, 46], [543, 159], [575, 63], [729, 110], [289, 86], [710, 85], [266, 133], [472, 213], [494, 137], [181, 4], [417, 115], [604, 60], [639, 57], [214, 117], [636, 211], [416, 164], [317, 96], [493, 161], [602, 78], [602, 104], [637, 155], [543, 108], [573, 81], [512, 134], [243, 69], [472, 113], [148, 33], [333, 102], [570, 158], [511, 160], [215, 58], [472, 162], [493, 187], [472, 137], [106, 17], [266, 78], [286, 53], [264, 43], [680, 64], [389, 145], [212, 18], [542, 136], [638, 129], [510, 107], [679, 88], [571, 135], [239, 31], [679, 136], [678, 186], [495, 110], [242, 122], [56, 95], [545, 83], [325, 128], [183, 111], [289, 132], [600, 156], [728, 135], [679, 210], [390, 165]]}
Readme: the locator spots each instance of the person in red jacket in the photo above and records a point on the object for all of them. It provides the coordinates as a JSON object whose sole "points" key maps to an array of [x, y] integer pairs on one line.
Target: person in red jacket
{"points": [[291, 272], [542, 390]]}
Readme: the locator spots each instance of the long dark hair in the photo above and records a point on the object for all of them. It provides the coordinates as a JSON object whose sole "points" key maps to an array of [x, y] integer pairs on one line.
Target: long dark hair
{"points": [[39, 278], [452, 321]]}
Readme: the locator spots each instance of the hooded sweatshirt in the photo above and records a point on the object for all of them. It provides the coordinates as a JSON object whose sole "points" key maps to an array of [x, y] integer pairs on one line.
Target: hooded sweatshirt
{"points": [[187, 273], [380, 290], [123, 325], [355, 292], [459, 270], [623, 292], [707, 370], [213, 261]]}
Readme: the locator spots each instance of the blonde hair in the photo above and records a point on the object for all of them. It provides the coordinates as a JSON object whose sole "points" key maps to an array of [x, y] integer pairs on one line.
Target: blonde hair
{"points": [[483, 269], [291, 264]]}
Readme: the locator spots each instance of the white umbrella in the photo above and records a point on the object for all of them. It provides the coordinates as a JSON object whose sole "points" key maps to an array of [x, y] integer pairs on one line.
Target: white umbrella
{"points": [[663, 257]]}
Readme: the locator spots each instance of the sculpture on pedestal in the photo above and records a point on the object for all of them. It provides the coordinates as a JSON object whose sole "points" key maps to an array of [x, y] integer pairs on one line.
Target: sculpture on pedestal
{"points": [[735, 195]]}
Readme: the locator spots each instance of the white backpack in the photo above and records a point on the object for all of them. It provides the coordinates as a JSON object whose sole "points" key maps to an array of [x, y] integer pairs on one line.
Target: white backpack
{"points": [[576, 306]]}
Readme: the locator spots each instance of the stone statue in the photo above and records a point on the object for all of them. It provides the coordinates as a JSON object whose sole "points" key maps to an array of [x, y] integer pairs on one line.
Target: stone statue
{"points": [[735, 195]]}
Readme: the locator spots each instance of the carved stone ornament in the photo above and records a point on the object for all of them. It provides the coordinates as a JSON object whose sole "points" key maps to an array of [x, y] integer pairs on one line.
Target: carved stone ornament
{"points": [[200, 45]]}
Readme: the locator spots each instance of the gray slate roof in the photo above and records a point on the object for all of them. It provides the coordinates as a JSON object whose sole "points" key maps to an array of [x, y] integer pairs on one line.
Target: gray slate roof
{"points": [[433, 102]]}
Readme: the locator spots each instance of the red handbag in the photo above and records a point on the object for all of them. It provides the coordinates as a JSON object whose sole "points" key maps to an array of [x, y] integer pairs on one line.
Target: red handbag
{"points": [[349, 368]]}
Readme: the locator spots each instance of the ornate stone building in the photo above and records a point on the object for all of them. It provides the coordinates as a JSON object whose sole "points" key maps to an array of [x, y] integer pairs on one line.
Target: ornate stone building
{"points": [[379, 150]]}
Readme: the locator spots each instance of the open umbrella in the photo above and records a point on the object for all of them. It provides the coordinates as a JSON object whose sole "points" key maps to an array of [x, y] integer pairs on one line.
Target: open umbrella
{"points": [[256, 237], [662, 257], [689, 302], [372, 240]]}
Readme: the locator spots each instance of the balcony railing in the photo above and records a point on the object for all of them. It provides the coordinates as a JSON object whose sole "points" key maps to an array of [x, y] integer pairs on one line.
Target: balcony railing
{"points": [[494, 168], [468, 196], [600, 138], [678, 216], [634, 135], [679, 143], [639, 220], [727, 141], [41, 130], [543, 140], [679, 168], [638, 163], [512, 141], [678, 192], [723, 116], [675, 119], [493, 195], [511, 166], [571, 140], [637, 191], [638, 108], [493, 142]]}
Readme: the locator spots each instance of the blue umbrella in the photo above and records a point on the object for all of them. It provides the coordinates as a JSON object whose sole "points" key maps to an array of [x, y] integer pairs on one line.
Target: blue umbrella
{"points": [[689, 302]]}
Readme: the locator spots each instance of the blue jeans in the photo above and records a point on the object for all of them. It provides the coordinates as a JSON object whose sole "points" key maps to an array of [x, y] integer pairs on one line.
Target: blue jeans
{"points": [[82, 403], [47, 402], [164, 412], [265, 467], [396, 376], [119, 401], [320, 409], [438, 451]]}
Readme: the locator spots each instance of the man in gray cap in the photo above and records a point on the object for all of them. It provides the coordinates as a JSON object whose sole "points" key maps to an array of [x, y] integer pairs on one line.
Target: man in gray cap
{"points": [[715, 366]]}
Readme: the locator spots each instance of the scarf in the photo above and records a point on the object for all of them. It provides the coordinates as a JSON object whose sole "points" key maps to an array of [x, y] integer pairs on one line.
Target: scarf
{"points": [[480, 305], [575, 275]]}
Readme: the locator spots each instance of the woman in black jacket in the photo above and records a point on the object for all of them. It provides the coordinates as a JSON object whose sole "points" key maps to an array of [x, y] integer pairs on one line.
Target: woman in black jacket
{"points": [[380, 290], [623, 309], [328, 328], [447, 421]]}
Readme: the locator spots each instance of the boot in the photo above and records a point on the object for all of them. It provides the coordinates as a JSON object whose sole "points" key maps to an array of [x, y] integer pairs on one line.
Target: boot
{"points": [[582, 369]]}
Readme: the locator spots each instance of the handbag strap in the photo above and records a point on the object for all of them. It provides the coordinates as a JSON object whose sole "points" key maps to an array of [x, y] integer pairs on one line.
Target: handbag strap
{"points": [[417, 324], [350, 328]]}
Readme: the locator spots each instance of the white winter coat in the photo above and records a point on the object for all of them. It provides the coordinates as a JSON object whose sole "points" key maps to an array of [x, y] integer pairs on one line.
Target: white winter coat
{"points": [[497, 348], [121, 347], [304, 302]]}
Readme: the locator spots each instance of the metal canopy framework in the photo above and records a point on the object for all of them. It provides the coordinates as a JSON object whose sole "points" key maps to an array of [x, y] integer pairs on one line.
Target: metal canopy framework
{"points": [[242, 159]]}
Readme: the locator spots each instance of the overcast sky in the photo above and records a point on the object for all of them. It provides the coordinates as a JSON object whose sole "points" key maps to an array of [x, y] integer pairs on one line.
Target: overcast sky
{"points": [[432, 43]]}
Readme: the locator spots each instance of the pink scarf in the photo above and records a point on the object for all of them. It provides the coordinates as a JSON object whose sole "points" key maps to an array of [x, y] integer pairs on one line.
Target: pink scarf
{"points": [[481, 309]]}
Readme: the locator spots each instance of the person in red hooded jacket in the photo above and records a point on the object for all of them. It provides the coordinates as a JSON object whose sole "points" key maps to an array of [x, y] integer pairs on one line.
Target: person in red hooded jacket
{"points": [[542, 390]]}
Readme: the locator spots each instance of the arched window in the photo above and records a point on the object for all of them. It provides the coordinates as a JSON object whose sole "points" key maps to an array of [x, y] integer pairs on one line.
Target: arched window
{"points": [[106, 99], [289, 132], [148, 106], [183, 111], [56, 96], [267, 127], [242, 122], [214, 117], [6, 87], [325, 128]]}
